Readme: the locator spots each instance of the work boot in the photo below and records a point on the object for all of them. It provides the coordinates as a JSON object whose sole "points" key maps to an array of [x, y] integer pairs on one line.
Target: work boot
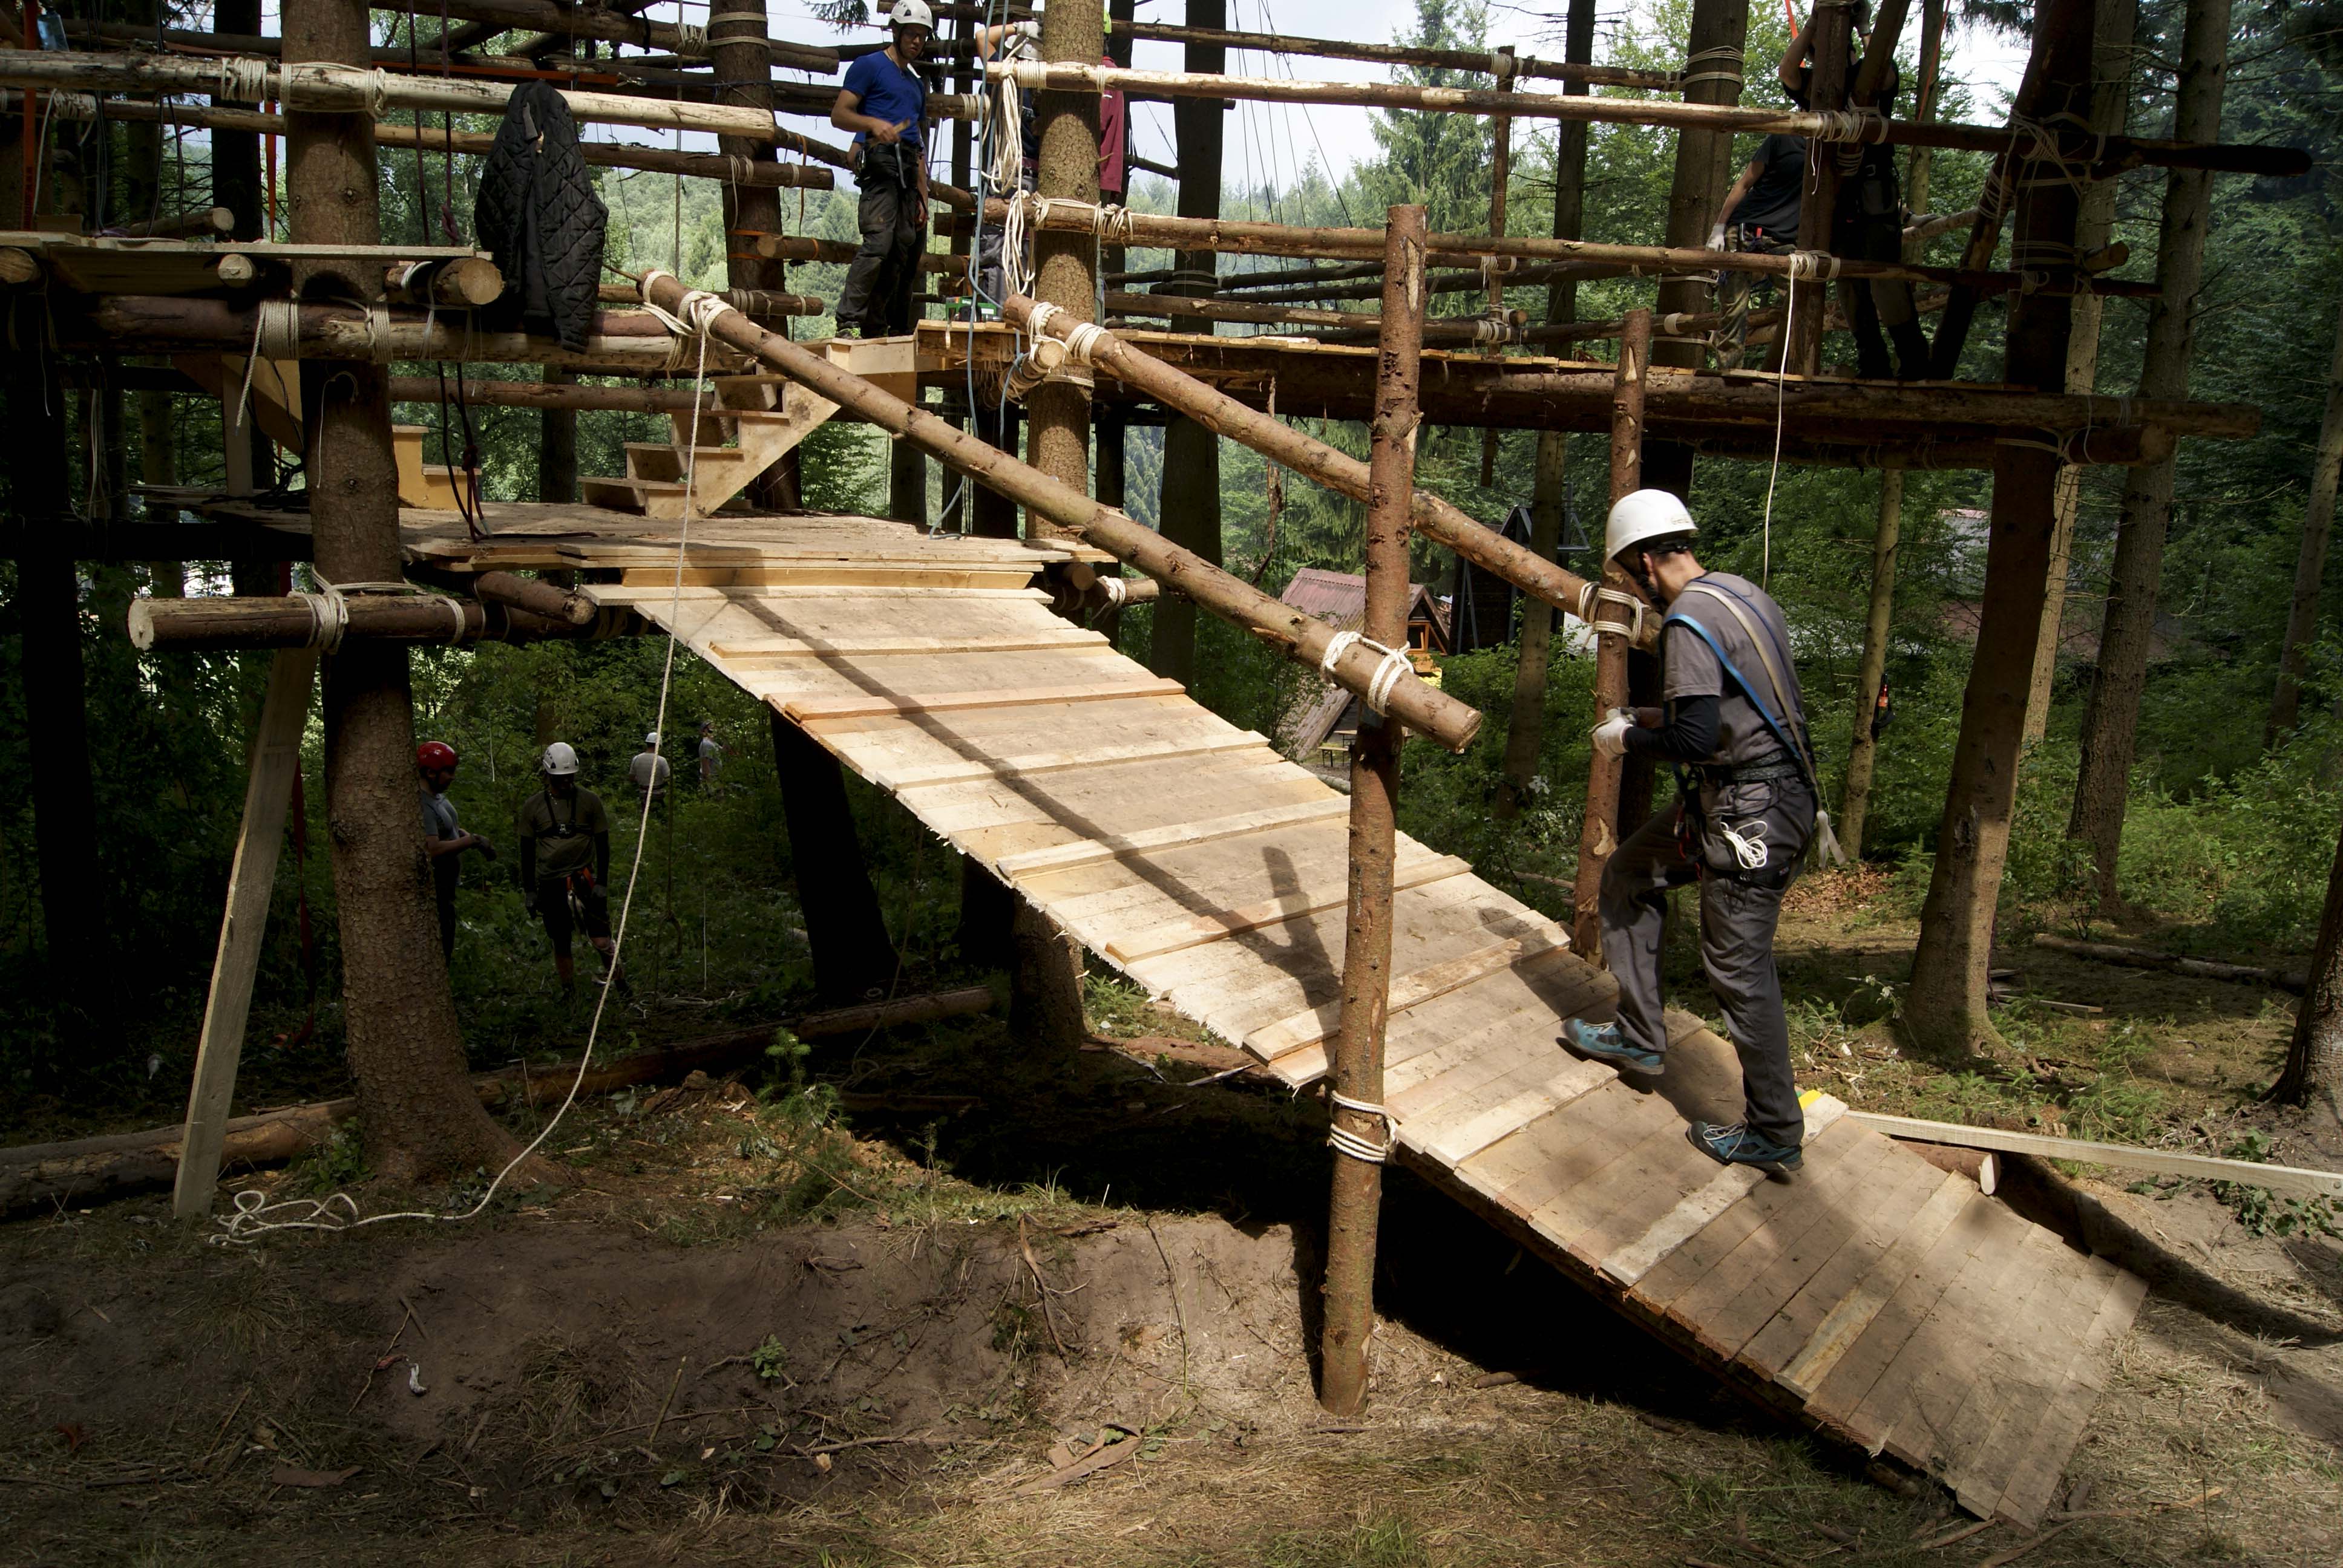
{"points": [[1605, 1043], [1737, 1144], [1911, 351]]}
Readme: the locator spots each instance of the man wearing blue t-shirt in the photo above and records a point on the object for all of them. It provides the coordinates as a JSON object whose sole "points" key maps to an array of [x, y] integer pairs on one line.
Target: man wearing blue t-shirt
{"points": [[885, 104]]}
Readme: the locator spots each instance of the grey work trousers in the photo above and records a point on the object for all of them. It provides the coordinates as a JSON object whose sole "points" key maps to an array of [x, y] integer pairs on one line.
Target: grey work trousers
{"points": [[885, 271], [1737, 917]]}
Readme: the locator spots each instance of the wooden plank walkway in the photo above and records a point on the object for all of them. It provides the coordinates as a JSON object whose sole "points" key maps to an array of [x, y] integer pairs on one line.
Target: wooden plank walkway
{"points": [[1886, 1303]]}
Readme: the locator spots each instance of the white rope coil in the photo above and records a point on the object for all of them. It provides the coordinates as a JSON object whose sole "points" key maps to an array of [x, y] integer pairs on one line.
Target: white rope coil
{"points": [[1342, 1140], [278, 330], [1851, 126], [1813, 266], [244, 79], [329, 614], [1115, 591], [691, 38], [1731, 72], [1387, 676]]}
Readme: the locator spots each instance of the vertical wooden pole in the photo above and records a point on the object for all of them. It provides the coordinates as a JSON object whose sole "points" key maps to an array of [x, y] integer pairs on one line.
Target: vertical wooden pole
{"points": [[1827, 89], [252, 877], [1598, 836], [1924, 109], [2111, 722], [1065, 265], [556, 444], [2111, 60], [1501, 168], [1190, 508], [406, 1044], [1945, 1011], [1862, 756], [852, 956], [1356, 1068], [1526, 734], [2310, 561]]}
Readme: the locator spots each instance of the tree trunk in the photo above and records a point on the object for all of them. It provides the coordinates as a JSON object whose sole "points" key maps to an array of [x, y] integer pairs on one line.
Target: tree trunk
{"points": [[2310, 563], [1045, 984], [2109, 726], [405, 1046], [1862, 755], [2313, 1074], [1945, 1007], [1189, 510], [556, 444], [853, 958], [744, 72], [1526, 734], [2094, 228], [1058, 412], [1803, 348]]}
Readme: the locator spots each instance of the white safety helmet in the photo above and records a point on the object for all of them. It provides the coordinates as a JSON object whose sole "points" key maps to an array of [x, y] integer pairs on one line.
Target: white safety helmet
{"points": [[1641, 514], [652, 738], [911, 14], [560, 761]]}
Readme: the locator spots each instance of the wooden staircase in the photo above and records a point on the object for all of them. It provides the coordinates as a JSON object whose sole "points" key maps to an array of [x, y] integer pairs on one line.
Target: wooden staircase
{"points": [[763, 416]]}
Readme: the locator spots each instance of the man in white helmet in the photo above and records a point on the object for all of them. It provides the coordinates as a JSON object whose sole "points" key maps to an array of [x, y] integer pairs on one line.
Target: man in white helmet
{"points": [[648, 772], [884, 102], [1735, 728], [565, 861]]}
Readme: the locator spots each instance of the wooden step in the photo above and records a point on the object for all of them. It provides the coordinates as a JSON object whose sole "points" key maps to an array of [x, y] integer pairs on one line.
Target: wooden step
{"points": [[650, 460]]}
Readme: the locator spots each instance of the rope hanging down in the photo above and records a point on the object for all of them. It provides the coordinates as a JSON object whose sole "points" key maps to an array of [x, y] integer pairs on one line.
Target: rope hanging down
{"points": [[1396, 666], [1342, 1140]]}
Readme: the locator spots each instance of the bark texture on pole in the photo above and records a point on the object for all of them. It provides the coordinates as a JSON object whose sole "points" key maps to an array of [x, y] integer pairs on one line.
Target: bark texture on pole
{"points": [[1598, 835], [1189, 507], [406, 1048], [853, 958], [2111, 722], [1355, 1063], [1819, 201], [1863, 754], [557, 442], [2094, 228], [2311, 561], [1945, 1007], [1059, 411], [2313, 1075]]}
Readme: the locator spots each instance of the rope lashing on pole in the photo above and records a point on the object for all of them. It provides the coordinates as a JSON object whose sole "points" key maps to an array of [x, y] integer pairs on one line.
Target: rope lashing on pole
{"points": [[1342, 1140], [1396, 666], [1731, 72], [1595, 595]]}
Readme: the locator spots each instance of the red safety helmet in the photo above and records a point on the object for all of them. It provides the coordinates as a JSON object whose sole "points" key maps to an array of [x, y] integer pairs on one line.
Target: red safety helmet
{"points": [[434, 755]]}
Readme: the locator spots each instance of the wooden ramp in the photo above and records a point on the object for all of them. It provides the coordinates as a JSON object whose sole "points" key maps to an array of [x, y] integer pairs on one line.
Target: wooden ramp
{"points": [[1880, 1299]]}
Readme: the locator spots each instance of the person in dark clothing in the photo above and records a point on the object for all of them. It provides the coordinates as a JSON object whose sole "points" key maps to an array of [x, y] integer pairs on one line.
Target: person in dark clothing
{"points": [[565, 862], [1735, 728], [885, 104], [1761, 218], [444, 839]]}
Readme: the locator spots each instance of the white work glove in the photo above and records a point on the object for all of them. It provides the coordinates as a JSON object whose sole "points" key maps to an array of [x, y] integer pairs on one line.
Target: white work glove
{"points": [[1716, 237], [1029, 30], [1610, 736]]}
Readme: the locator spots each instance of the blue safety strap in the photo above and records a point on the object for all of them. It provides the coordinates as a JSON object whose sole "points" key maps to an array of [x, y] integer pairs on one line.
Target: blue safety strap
{"points": [[1781, 734]]}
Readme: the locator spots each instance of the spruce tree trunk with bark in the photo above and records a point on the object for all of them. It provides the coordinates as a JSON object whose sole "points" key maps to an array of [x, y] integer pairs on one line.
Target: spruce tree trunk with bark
{"points": [[1945, 1010], [1863, 754], [2311, 561], [2111, 58], [2313, 1074], [2110, 726], [415, 1102]]}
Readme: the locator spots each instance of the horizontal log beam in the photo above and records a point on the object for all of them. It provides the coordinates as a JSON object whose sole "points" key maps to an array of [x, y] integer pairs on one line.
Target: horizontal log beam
{"points": [[2078, 149], [549, 395], [1121, 226], [1298, 636], [1433, 518], [312, 620], [1432, 59], [463, 284]]}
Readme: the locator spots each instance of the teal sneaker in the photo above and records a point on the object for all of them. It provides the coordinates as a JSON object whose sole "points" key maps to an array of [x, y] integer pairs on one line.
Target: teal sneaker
{"points": [[1736, 1144], [1603, 1042]]}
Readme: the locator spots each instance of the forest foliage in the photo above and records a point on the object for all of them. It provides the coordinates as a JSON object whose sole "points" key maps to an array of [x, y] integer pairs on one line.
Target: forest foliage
{"points": [[2225, 842]]}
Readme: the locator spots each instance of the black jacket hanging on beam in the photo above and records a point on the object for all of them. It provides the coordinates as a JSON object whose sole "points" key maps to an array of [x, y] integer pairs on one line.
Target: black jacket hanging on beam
{"points": [[538, 216]]}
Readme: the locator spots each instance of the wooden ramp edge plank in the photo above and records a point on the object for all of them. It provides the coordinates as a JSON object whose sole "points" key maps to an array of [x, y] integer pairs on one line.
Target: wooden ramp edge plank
{"points": [[807, 710]]}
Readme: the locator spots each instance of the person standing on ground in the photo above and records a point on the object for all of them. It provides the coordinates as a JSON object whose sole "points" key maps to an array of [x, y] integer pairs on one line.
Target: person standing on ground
{"points": [[648, 772], [1735, 728], [565, 859], [885, 104], [444, 840], [711, 755]]}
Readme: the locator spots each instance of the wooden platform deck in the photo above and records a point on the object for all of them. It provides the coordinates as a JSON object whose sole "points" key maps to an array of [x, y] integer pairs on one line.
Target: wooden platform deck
{"points": [[1881, 1300]]}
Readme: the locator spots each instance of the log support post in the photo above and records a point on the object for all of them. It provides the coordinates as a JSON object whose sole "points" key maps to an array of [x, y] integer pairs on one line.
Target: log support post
{"points": [[853, 960], [2310, 558], [1501, 168], [252, 877], [1863, 752], [1833, 25], [2110, 725], [1598, 836], [1189, 506], [406, 1048], [1361, 1131], [1946, 1008]]}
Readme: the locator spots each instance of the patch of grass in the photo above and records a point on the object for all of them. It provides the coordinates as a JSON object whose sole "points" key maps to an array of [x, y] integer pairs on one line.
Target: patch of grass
{"points": [[1378, 1541]]}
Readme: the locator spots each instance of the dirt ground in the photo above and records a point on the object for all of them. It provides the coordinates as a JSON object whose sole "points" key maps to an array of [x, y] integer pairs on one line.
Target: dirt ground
{"points": [[748, 1332]]}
